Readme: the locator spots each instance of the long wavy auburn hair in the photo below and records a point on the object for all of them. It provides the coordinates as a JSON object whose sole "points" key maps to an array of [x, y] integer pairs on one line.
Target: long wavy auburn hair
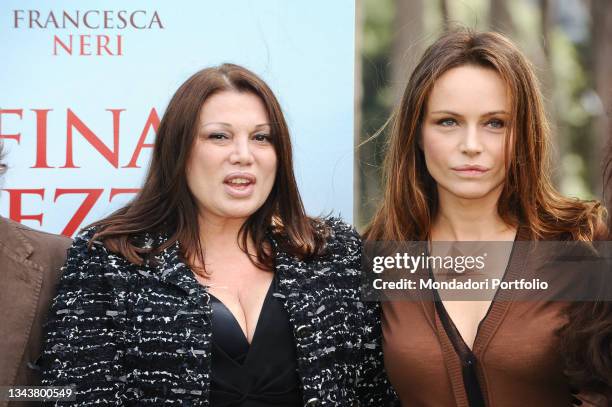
{"points": [[410, 202], [166, 205]]}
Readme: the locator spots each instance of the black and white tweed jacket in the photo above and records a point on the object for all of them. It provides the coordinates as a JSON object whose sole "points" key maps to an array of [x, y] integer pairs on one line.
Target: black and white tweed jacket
{"points": [[141, 335]]}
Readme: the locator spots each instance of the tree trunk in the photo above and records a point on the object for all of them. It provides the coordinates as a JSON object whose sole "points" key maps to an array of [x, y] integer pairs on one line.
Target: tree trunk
{"points": [[601, 40], [500, 18], [444, 13], [407, 43], [547, 79]]}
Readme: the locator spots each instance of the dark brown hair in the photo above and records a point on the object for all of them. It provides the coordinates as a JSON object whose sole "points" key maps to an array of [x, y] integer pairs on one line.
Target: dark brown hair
{"points": [[529, 198], [586, 345], [165, 203], [586, 339], [410, 202]]}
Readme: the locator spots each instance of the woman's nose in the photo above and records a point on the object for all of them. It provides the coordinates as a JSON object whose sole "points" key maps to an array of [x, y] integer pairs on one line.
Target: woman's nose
{"points": [[241, 153], [471, 143]]}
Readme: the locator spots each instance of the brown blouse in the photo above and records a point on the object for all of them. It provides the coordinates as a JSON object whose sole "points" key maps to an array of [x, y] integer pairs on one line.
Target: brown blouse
{"points": [[517, 358]]}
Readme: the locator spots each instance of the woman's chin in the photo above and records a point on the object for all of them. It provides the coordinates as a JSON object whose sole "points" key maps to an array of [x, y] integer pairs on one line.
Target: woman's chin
{"points": [[239, 211], [470, 191], [475, 195]]}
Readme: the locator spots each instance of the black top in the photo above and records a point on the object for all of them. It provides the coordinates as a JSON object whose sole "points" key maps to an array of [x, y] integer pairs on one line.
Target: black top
{"points": [[467, 357], [262, 374]]}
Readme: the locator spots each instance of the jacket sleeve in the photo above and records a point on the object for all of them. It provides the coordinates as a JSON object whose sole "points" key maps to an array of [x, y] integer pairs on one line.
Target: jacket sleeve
{"points": [[84, 342], [373, 388]]}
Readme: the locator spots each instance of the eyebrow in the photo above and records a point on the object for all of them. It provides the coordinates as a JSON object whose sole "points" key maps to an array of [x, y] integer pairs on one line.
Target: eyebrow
{"points": [[494, 112], [229, 125]]}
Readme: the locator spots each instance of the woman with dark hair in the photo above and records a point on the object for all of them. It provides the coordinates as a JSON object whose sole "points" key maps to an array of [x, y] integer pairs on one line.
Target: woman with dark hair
{"points": [[213, 287], [470, 139]]}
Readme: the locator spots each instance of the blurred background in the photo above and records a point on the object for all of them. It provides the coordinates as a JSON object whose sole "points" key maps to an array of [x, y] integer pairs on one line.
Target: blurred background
{"points": [[569, 42]]}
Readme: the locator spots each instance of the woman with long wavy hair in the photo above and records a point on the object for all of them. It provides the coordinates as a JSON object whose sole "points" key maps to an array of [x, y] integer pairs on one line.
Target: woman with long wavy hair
{"points": [[468, 161]]}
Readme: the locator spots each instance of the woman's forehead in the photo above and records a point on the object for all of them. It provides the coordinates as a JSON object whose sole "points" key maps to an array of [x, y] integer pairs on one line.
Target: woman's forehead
{"points": [[230, 107], [469, 89]]}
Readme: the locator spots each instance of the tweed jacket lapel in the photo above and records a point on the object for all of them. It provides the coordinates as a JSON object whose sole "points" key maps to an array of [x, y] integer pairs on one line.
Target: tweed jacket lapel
{"points": [[175, 272], [292, 289], [298, 292]]}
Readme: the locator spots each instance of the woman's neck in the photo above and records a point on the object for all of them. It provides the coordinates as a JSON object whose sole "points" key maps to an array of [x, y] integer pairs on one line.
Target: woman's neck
{"points": [[217, 233], [460, 219]]}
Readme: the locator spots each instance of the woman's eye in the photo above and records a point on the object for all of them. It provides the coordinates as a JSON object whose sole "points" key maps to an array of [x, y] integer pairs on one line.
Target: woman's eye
{"points": [[261, 137], [217, 136], [447, 122], [496, 124]]}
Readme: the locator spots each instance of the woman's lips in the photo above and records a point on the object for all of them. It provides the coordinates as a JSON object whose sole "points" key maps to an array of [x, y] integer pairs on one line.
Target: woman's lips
{"points": [[470, 170], [239, 185]]}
